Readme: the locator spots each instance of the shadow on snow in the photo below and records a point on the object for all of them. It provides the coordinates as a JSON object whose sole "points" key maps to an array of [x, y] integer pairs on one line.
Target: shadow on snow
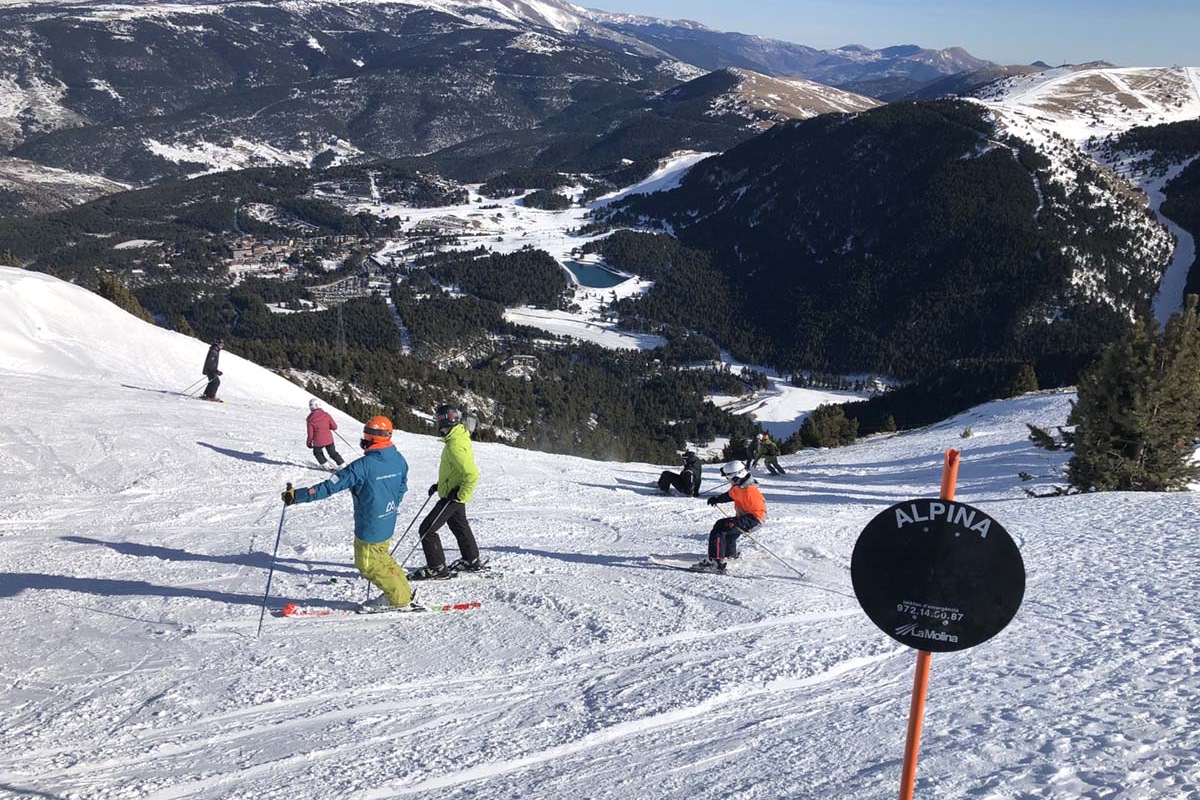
{"points": [[256, 560]]}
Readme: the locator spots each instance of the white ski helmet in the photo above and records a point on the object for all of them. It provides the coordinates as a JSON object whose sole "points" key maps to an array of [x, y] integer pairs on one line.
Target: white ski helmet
{"points": [[734, 471], [314, 404]]}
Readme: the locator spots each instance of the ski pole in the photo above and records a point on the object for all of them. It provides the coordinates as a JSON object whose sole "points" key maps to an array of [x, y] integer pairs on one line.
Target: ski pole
{"points": [[409, 528], [420, 538], [755, 539], [343, 438], [188, 390], [401, 539], [271, 572]]}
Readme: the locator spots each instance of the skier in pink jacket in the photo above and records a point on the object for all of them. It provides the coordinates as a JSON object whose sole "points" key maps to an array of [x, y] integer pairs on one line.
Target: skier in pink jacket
{"points": [[320, 433]]}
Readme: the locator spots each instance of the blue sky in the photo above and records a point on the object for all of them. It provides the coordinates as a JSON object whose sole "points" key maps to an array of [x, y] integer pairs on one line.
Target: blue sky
{"points": [[1129, 33]]}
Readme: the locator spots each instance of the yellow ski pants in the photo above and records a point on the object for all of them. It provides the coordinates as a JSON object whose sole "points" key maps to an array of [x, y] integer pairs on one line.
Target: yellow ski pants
{"points": [[378, 566]]}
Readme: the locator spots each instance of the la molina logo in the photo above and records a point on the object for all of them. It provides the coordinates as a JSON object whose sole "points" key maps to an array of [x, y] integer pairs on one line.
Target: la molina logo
{"points": [[913, 629]]}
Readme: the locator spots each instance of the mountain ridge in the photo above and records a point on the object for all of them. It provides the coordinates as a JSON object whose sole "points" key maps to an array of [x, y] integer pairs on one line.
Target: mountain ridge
{"points": [[142, 91]]}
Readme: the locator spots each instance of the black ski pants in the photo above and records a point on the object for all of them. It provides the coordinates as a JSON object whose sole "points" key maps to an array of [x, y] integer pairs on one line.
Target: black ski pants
{"points": [[319, 454], [722, 539], [454, 514], [681, 482], [214, 383]]}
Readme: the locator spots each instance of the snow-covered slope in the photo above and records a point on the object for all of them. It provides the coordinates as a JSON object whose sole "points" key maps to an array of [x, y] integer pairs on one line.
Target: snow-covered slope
{"points": [[1069, 112], [30, 188], [1079, 103], [137, 527], [765, 100]]}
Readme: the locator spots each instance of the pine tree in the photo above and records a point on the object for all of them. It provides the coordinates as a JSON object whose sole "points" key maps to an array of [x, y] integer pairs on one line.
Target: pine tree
{"points": [[1026, 381], [828, 426], [111, 289], [1139, 410], [1043, 438], [179, 323]]}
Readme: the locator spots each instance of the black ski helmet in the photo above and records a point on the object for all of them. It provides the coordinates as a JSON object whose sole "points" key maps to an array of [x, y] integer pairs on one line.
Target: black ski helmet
{"points": [[447, 416]]}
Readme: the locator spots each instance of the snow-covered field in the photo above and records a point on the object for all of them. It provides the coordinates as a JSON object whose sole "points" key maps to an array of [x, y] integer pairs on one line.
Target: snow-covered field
{"points": [[506, 225], [583, 328], [781, 407], [137, 529]]}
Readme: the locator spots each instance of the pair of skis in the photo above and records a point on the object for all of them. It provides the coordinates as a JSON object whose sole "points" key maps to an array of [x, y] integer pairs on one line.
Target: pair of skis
{"points": [[297, 611], [690, 563]]}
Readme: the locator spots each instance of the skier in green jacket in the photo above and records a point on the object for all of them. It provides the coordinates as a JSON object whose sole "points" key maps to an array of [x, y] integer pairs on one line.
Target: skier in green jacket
{"points": [[768, 449], [457, 476]]}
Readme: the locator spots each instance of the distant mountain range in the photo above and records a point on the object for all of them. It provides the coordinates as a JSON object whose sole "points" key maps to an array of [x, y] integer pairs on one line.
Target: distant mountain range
{"points": [[885, 74], [138, 92]]}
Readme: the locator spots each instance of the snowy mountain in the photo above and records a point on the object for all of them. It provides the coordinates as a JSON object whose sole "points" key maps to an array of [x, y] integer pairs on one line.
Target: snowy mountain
{"points": [[886, 74], [844, 232], [1070, 114], [145, 90], [1081, 102], [763, 100], [966, 83], [141, 91], [27, 188], [138, 527]]}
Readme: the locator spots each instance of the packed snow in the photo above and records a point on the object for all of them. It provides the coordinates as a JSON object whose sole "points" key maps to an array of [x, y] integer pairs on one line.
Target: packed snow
{"points": [[138, 529]]}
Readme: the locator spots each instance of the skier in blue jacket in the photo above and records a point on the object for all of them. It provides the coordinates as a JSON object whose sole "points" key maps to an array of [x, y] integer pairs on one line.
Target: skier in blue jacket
{"points": [[378, 482]]}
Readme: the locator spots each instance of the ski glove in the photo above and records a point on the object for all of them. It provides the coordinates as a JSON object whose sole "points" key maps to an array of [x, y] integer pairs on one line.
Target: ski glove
{"points": [[712, 501], [289, 496], [433, 490]]}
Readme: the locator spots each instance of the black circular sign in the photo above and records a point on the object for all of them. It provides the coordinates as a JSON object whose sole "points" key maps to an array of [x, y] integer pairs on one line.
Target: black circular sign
{"points": [[937, 575]]}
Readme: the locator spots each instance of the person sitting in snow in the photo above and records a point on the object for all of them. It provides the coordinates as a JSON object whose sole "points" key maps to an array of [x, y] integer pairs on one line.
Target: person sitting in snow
{"points": [[686, 482], [378, 482], [320, 433], [750, 509]]}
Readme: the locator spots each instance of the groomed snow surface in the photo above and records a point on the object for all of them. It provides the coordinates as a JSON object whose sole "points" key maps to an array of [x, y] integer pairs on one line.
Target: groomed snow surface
{"points": [[137, 530]]}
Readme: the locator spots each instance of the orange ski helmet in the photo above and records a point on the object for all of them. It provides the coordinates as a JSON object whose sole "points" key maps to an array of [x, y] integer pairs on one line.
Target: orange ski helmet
{"points": [[377, 431]]}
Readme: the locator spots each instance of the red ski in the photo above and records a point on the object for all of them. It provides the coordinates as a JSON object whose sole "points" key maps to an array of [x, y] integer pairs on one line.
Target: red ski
{"points": [[295, 610]]}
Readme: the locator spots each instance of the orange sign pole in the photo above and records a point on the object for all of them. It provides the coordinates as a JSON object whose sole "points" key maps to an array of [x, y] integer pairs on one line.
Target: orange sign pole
{"points": [[916, 711]]}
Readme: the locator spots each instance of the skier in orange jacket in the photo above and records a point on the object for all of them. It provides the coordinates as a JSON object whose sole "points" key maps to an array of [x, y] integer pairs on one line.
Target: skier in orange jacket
{"points": [[750, 509]]}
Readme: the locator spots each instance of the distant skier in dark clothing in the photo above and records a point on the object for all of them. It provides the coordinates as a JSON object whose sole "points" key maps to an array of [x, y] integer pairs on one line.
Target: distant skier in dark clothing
{"points": [[211, 372], [457, 476], [320, 433], [768, 449], [686, 482], [753, 451], [750, 509]]}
